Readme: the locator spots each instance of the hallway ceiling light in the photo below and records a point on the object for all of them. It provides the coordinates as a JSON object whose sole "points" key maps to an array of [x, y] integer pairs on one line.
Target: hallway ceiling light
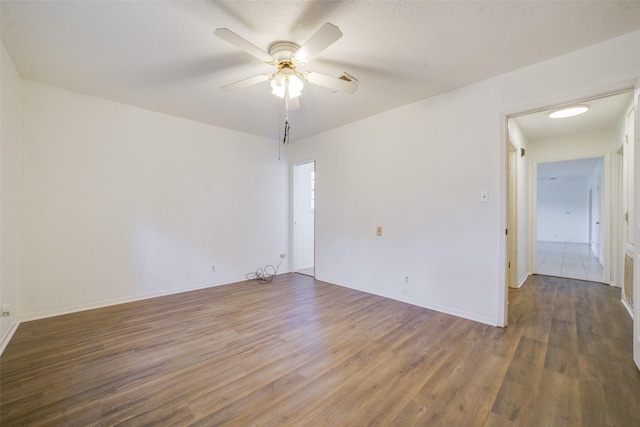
{"points": [[570, 111]]}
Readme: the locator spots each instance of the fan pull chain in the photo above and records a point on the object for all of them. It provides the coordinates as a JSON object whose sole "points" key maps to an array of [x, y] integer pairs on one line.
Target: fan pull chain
{"points": [[286, 111], [286, 131]]}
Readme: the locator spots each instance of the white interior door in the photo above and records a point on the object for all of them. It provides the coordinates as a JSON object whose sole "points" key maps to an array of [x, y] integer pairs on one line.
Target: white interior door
{"points": [[636, 227], [595, 201], [304, 218], [591, 221]]}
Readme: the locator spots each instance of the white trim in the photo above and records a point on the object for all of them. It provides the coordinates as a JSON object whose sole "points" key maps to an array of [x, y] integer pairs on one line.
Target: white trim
{"points": [[503, 208], [418, 302], [512, 213], [8, 335], [522, 280], [291, 262], [627, 306], [123, 300], [107, 303], [294, 246], [635, 221], [533, 200], [580, 95]]}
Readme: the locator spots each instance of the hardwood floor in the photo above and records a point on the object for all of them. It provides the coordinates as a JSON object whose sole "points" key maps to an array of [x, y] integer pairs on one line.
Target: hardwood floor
{"points": [[303, 352]]}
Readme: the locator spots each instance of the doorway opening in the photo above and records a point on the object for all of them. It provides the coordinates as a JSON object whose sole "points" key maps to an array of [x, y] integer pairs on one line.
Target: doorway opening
{"points": [[304, 206], [551, 146], [539, 140], [570, 231], [611, 134]]}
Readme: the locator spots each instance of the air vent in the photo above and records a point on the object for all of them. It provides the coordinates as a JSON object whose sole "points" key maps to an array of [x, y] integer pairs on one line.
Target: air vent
{"points": [[347, 77]]}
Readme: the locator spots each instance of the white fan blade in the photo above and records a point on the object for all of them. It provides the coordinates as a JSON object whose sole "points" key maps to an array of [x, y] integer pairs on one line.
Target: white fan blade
{"points": [[322, 39], [234, 39], [331, 82], [246, 82]]}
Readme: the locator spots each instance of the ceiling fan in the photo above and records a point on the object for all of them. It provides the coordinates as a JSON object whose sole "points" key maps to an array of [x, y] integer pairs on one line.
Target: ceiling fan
{"points": [[287, 81]]}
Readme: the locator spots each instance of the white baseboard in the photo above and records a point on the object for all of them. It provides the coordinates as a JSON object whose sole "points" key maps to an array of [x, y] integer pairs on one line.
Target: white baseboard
{"points": [[418, 302], [106, 303], [522, 280], [627, 306], [8, 335]]}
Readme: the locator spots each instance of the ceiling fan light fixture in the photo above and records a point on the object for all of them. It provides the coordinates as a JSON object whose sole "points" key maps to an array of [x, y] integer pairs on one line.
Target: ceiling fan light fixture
{"points": [[286, 82], [280, 82], [570, 111]]}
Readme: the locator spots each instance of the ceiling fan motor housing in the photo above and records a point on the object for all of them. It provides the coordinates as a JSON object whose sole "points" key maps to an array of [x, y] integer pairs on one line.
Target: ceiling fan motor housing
{"points": [[286, 78], [283, 51]]}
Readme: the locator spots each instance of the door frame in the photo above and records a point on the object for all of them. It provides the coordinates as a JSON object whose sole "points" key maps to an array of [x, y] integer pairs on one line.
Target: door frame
{"points": [[295, 245], [515, 110], [636, 226], [512, 221], [533, 200]]}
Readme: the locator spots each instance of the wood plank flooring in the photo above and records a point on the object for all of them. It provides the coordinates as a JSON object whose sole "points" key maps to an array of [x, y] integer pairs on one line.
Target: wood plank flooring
{"points": [[302, 352]]}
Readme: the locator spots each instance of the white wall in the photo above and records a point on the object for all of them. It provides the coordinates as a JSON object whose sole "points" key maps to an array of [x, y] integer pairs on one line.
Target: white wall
{"points": [[10, 92], [418, 171], [121, 203], [519, 139], [421, 181], [563, 210], [579, 146]]}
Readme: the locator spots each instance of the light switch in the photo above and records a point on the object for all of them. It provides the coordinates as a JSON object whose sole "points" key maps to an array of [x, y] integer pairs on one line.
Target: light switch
{"points": [[379, 230], [484, 197]]}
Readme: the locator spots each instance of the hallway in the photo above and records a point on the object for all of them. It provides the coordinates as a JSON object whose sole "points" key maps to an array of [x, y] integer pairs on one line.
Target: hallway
{"points": [[571, 260]]}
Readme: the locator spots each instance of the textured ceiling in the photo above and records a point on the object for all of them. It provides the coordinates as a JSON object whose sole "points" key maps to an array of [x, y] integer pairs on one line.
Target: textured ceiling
{"points": [[163, 56]]}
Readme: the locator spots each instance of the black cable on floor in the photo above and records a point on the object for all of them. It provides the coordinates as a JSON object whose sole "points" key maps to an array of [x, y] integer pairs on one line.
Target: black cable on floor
{"points": [[264, 275]]}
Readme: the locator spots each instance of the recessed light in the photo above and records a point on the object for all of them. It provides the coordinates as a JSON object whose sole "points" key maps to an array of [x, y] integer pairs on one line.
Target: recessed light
{"points": [[571, 111]]}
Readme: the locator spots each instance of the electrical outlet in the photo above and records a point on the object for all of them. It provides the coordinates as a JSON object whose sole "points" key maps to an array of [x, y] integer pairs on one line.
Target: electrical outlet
{"points": [[407, 280], [213, 268], [379, 230], [6, 310], [282, 256]]}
